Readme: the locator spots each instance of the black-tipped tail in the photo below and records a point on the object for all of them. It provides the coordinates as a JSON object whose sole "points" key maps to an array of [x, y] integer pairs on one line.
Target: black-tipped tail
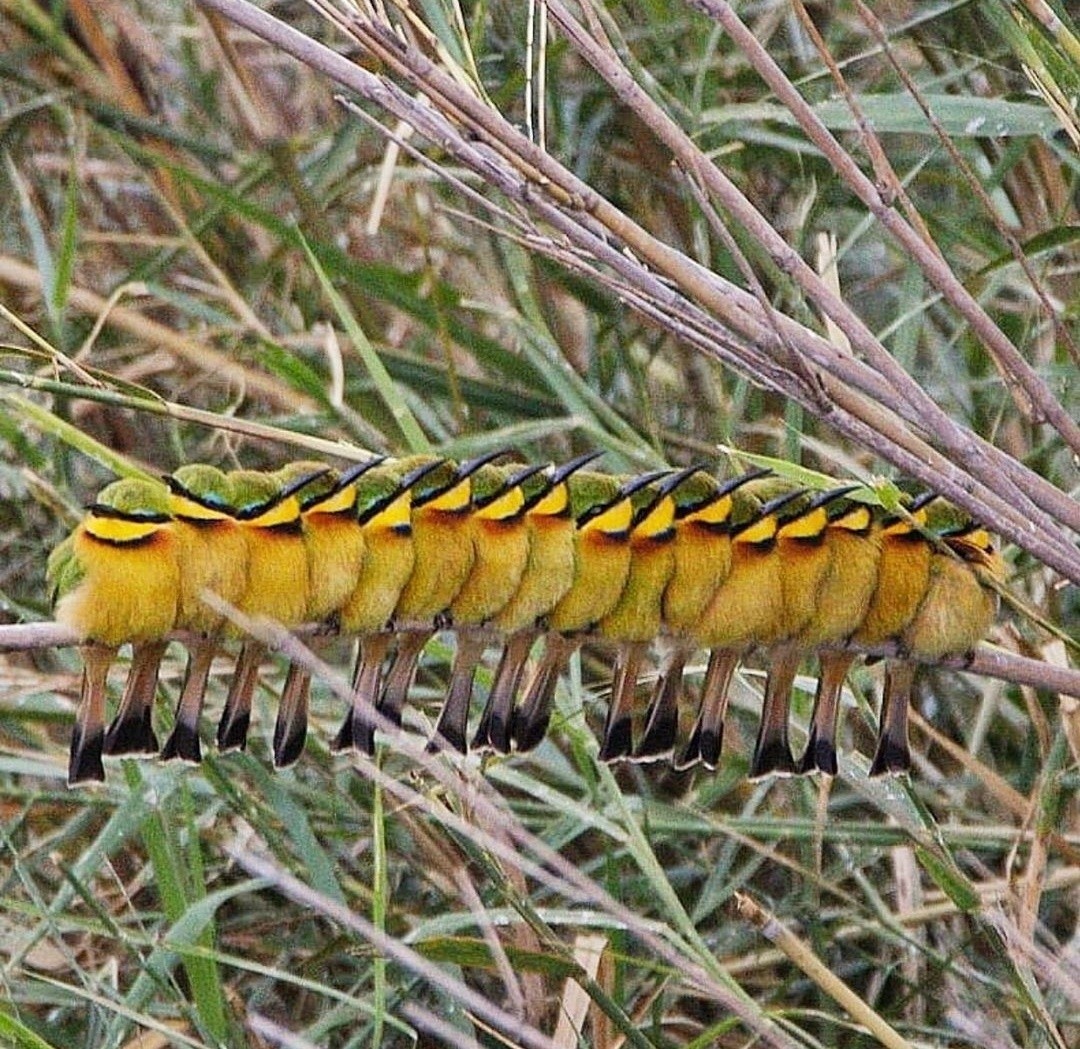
{"points": [[820, 754], [232, 730], [399, 677], [84, 762], [183, 744], [451, 730], [131, 734], [290, 728], [772, 753], [707, 736], [893, 755], [357, 732], [662, 720], [496, 722], [618, 741], [772, 757]]}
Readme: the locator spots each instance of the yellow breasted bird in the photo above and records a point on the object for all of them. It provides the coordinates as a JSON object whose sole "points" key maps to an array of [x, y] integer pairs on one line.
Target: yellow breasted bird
{"points": [[854, 542], [697, 561], [548, 575], [958, 607], [702, 561], [115, 579], [956, 611], [268, 512], [334, 539], [717, 546], [213, 551], [636, 618], [702, 547], [603, 509], [442, 539], [212, 556], [746, 610], [805, 560], [309, 481], [384, 513], [903, 577], [335, 547], [500, 536], [603, 512]]}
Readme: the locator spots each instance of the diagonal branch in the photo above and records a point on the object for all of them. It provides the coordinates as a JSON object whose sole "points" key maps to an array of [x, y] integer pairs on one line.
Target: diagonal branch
{"points": [[454, 119], [1016, 370], [984, 461]]}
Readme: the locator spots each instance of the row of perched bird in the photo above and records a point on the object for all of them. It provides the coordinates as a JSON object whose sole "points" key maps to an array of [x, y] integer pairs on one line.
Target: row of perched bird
{"points": [[511, 554]]}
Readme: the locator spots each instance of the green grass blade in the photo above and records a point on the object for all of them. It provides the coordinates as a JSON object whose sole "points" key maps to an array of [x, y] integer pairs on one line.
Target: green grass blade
{"points": [[179, 878], [17, 1035], [414, 436], [380, 905]]}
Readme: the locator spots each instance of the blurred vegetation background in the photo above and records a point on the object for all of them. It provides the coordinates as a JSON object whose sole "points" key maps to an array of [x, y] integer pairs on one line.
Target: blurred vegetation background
{"points": [[205, 257]]}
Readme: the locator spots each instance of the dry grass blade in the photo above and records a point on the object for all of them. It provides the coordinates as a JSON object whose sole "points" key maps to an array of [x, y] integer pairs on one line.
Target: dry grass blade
{"points": [[750, 910]]}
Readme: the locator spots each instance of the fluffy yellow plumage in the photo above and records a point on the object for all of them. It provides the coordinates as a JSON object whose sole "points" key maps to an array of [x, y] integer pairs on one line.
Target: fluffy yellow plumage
{"points": [[903, 577], [603, 513], [746, 608], [122, 580], [211, 546], [441, 541], [116, 579], [844, 598], [500, 537], [214, 555], [547, 576], [442, 533], [957, 608], [268, 512], [806, 558], [335, 546], [636, 619], [702, 562], [384, 513], [334, 541]]}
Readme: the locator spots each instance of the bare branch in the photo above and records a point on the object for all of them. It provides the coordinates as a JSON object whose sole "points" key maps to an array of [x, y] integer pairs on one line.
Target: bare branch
{"points": [[1012, 364], [504, 158], [987, 660]]}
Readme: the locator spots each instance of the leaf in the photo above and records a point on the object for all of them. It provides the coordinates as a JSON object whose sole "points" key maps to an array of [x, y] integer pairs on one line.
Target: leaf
{"points": [[959, 116], [472, 953]]}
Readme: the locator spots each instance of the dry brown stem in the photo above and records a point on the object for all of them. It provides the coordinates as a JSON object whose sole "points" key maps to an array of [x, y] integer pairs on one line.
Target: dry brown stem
{"points": [[873, 400]]}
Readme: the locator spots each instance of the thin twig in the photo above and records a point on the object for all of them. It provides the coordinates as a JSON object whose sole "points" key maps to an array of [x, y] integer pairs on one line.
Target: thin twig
{"points": [[986, 660]]}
